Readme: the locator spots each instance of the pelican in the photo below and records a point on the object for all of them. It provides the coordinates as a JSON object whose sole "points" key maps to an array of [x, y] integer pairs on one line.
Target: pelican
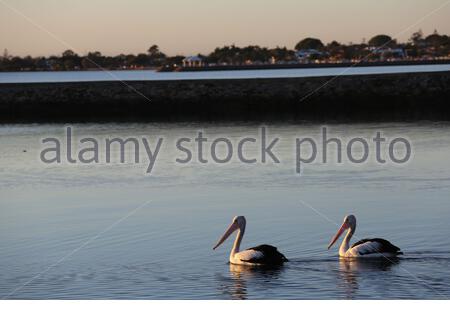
{"points": [[366, 248], [256, 256]]}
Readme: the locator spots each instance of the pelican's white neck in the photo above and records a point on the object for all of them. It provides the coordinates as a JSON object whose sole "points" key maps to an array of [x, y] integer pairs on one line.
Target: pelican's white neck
{"points": [[237, 241], [346, 242]]}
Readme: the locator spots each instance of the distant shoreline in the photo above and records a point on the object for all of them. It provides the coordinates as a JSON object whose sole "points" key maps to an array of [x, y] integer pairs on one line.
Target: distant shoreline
{"points": [[310, 65], [304, 65]]}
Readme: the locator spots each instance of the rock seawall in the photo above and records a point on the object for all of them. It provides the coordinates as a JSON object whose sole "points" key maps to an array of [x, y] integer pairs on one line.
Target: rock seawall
{"points": [[390, 97]]}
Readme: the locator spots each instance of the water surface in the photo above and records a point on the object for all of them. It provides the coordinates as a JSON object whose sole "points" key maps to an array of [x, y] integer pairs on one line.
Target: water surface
{"points": [[66, 231], [75, 76]]}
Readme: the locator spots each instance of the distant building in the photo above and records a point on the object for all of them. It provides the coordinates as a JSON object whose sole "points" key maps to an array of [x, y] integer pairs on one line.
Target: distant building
{"points": [[389, 53], [307, 54], [193, 61]]}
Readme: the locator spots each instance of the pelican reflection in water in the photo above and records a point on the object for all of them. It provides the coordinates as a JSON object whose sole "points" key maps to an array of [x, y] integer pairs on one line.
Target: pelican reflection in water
{"points": [[352, 270], [241, 275]]}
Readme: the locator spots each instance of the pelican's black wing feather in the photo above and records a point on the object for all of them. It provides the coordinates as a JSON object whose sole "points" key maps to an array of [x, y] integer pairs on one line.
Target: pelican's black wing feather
{"points": [[271, 255], [384, 245]]}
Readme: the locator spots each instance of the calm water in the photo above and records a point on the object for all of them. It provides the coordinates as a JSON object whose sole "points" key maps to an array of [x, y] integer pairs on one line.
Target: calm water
{"points": [[69, 231], [69, 76]]}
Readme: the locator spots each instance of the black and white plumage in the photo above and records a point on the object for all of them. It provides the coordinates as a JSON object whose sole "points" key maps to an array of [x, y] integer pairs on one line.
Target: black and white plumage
{"points": [[264, 255], [375, 245], [366, 248]]}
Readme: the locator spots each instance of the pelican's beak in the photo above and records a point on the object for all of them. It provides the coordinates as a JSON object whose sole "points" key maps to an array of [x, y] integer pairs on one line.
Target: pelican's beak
{"points": [[338, 234], [227, 233]]}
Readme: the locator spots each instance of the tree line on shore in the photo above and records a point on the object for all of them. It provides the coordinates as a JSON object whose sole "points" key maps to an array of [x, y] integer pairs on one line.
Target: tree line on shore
{"points": [[379, 47]]}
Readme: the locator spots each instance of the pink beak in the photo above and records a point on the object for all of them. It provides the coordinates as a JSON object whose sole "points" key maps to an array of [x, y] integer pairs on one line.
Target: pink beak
{"points": [[233, 227], [338, 234]]}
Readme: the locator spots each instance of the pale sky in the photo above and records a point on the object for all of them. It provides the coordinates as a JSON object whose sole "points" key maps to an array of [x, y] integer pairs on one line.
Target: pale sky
{"points": [[198, 26]]}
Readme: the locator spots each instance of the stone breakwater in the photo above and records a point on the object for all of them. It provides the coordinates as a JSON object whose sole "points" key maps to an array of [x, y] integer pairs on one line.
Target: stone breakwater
{"points": [[389, 97]]}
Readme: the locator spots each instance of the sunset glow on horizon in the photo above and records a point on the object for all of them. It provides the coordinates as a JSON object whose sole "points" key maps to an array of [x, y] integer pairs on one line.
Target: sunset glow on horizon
{"points": [[196, 26]]}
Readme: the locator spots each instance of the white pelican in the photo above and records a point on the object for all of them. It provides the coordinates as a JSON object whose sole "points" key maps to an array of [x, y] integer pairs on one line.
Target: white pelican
{"points": [[366, 248], [260, 255]]}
